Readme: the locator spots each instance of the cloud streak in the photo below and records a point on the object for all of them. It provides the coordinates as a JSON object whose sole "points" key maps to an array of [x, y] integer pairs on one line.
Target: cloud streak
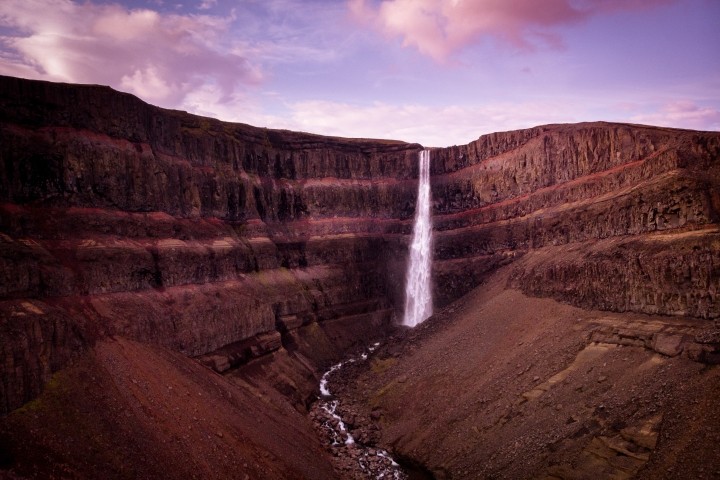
{"points": [[682, 114], [438, 28], [429, 125], [308, 65]]}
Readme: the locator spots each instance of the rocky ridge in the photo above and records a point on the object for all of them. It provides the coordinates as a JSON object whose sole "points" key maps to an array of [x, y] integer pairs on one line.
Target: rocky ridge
{"points": [[583, 186]]}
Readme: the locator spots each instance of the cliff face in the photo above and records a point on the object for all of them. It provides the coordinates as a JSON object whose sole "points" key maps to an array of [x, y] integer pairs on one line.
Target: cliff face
{"points": [[279, 250], [505, 385], [122, 218], [119, 218], [619, 220], [616, 217]]}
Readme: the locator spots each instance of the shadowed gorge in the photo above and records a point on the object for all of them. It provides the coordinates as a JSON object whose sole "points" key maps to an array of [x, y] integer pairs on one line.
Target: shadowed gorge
{"points": [[173, 286]]}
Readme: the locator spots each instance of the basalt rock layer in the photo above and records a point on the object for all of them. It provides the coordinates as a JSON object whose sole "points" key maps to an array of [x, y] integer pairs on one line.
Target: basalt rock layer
{"points": [[619, 220], [512, 193], [265, 254], [120, 218]]}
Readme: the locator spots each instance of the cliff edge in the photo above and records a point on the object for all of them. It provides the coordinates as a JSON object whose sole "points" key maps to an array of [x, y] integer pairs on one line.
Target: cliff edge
{"points": [[252, 258]]}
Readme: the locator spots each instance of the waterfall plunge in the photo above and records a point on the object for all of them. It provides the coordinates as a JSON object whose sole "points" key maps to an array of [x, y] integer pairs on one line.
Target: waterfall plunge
{"points": [[418, 295]]}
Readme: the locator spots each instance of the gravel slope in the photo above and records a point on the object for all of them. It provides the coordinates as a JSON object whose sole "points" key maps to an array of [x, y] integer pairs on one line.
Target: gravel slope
{"points": [[502, 385]]}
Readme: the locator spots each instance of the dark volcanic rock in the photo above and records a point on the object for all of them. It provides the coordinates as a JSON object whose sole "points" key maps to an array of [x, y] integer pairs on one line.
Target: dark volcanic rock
{"points": [[503, 385], [266, 254], [572, 185], [183, 231], [168, 226]]}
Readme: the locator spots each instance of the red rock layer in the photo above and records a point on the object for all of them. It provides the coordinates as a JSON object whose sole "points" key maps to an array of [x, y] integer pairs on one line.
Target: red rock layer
{"points": [[131, 410], [219, 240], [213, 239], [503, 385], [516, 193]]}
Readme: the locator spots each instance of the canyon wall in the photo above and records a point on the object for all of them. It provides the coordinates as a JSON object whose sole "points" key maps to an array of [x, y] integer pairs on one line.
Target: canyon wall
{"points": [[608, 216], [227, 242], [618, 220], [221, 241]]}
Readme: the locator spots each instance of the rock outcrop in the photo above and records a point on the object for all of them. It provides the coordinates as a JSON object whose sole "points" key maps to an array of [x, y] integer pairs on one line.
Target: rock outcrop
{"points": [[627, 216], [120, 218], [503, 385], [265, 254], [619, 220]]}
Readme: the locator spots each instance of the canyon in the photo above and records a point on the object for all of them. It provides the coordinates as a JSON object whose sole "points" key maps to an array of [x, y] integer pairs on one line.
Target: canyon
{"points": [[173, 288]]}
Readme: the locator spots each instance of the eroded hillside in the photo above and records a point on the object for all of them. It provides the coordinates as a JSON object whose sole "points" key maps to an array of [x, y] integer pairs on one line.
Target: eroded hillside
{"points": [[503, 385], [136, 242], [212, 239]]}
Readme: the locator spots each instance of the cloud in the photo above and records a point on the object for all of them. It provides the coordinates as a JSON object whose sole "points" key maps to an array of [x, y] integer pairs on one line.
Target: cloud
{"points": [[438, 28], [439, 126], [160, 57], [428, 125], [682, 114], [207, 4], [282, 32]]}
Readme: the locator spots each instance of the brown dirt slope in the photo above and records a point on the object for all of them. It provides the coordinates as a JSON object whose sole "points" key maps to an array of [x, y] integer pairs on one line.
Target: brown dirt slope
{"points": [[128, 410], [502, 385]]}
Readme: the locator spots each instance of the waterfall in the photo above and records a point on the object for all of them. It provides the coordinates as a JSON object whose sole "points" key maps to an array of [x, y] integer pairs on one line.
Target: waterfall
{"points": [[418, 294]]}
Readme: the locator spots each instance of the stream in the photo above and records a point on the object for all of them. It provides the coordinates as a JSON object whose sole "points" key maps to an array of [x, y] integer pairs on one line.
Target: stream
{"points": [[356, 459]]}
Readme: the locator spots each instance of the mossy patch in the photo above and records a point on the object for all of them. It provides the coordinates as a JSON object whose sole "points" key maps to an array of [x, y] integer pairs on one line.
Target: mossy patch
{"points": [[52, 395], [380, 365], [387, 391]]}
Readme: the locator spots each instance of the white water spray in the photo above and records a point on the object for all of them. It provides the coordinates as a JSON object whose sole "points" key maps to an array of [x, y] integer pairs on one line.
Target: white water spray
{"points": [[418, 295]]}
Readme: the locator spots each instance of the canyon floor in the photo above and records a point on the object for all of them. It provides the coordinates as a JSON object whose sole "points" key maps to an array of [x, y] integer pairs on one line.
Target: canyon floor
{"points": [[496, 385], [502, 385]]}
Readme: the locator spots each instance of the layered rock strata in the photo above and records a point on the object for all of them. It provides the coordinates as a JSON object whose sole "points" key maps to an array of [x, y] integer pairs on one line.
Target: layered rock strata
{"points": [[216, 240], [275, 251], [122, 218], [503, 385], [627, 216], [619, 220]]}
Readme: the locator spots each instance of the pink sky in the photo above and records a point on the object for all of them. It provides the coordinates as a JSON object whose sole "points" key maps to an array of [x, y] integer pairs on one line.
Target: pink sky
{"points": [[437, 72]]}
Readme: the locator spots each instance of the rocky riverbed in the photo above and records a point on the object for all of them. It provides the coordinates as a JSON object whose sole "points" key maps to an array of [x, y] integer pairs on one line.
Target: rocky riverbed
{"points": [[349, 439]]}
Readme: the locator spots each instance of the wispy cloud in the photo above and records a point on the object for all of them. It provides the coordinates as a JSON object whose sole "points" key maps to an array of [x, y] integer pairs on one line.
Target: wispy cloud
{"points": [[207, 4], [682, 114], [440, 27], [292, 31], [440, 126], [308, 65], [161, 57], [429, 125]]}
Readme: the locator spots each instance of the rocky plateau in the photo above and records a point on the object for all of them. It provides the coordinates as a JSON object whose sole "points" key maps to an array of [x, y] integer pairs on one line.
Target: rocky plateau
{"points": [[172, 288]]}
